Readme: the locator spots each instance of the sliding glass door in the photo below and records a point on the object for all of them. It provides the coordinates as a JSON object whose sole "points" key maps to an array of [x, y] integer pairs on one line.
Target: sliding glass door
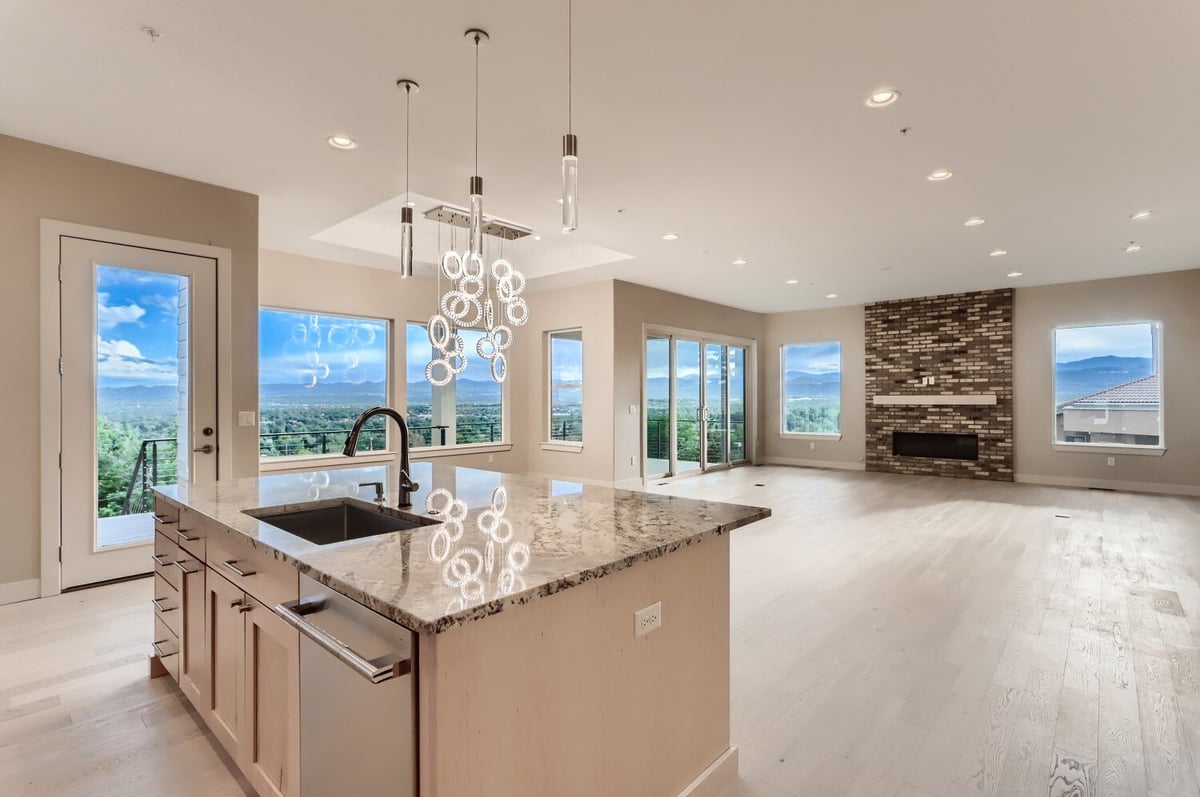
{"points": [[695, 391]]}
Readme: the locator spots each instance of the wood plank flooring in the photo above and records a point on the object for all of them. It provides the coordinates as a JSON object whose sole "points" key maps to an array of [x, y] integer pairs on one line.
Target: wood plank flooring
{"points": [[891, 635]]}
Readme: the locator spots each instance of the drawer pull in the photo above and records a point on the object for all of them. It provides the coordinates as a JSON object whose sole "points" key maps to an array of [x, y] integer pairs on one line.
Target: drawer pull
{"points": [[158, 650], [159, 560], [231, 564], [183, 567], [183, 536], [163, 520], [158, 605], [241, 606]]}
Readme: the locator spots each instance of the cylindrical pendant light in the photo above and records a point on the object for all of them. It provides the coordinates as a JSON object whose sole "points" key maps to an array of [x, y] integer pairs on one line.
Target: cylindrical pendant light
{"points": [[406, 213], [476, 38], [570, 161]]}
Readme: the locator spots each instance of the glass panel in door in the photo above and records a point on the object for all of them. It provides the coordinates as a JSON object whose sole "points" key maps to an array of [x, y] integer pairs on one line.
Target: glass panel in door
{"points": [[736, 361], [716, 405], [658, 406], [688, 406]]}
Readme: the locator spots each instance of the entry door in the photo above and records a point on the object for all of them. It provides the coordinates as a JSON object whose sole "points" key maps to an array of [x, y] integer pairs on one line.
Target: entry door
{"points": [[139, 404]]}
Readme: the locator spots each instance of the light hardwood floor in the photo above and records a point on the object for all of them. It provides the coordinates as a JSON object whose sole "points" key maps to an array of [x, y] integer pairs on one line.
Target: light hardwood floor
{"points": [[892, 635]]}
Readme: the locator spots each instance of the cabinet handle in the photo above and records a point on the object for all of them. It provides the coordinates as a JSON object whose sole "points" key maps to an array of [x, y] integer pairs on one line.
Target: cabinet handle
{"points": [[158, 560], [163, 520], [293, 614], [241, 606], [183, 537], [160, 607], [159, 650], [183, 567], [232, 565]]}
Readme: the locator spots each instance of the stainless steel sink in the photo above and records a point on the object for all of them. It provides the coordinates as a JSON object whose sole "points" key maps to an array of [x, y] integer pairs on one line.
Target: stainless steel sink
{"points": [[327, 522]]}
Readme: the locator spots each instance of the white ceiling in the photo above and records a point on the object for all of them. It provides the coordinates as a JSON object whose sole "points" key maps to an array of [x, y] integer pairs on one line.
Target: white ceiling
{"points": [[738, 126]]}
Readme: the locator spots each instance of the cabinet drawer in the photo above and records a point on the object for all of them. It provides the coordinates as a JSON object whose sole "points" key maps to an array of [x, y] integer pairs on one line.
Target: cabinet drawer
{"points": [[166, 647], [166, 517], [168, 603], [259, 574], [166, 554], [192, 532]]}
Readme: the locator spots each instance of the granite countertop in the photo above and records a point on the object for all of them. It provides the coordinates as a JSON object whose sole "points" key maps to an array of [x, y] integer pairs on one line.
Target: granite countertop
{"points": [[506, 539]]}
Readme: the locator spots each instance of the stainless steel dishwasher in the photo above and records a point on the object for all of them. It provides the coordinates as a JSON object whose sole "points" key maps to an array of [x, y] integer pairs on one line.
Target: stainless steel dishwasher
{"points": [[358, 732]]}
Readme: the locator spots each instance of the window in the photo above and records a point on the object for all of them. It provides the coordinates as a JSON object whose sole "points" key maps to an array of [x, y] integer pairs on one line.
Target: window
{"points": [[468, 410], [316, 375], [566, 386], [811, 388], [1107, 385]]}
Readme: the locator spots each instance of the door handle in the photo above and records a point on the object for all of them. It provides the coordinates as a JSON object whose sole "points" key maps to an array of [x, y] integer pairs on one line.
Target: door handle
{"points": [[207, 448]]}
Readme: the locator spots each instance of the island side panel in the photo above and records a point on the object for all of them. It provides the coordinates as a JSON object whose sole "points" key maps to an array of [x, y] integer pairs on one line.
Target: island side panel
{"points": [[557, 696]]}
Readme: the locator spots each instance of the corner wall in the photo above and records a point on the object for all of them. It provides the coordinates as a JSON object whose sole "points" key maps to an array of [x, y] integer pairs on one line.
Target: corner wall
{"points": [[1172, 298], [41, 182]]}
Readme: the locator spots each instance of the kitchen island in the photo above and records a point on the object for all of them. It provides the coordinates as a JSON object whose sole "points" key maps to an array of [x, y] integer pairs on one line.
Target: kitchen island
{"points": [[529, 675]]}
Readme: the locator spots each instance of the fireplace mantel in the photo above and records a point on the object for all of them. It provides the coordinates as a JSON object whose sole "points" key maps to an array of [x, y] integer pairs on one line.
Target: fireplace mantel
{"points": [[926, 400]]}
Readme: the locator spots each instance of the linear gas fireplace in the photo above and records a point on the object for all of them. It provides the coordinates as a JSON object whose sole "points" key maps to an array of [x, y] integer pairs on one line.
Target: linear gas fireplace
{"points": [[935, 445]]}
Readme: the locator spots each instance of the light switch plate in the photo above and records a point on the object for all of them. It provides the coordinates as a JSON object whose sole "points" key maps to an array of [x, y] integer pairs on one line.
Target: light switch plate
{"points": [[633, 409], [245, 418]]}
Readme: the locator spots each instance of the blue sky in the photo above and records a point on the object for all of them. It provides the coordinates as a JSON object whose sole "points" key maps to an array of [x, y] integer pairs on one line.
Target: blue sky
{"points": [[658, 364], [137, 327], [306, 349], [814, 358], [1122, 340]]}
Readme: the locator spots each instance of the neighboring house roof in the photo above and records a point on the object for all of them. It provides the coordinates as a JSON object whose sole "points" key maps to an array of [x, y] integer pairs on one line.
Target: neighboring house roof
{"points": [[1142, 391]]}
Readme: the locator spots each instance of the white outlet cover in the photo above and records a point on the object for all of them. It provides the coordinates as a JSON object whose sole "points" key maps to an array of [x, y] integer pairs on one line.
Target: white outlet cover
{"points": [[647, 619], [245, 418]]}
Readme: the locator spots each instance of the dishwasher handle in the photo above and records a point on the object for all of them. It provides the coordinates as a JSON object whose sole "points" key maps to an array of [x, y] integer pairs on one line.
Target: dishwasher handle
{"points": [[293, 613]]}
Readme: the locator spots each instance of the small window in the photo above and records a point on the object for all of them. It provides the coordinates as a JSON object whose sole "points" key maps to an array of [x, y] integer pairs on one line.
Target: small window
{"points": [[1108, 385], [470, 409], [316, 374], [811, 388], [566, 386]]}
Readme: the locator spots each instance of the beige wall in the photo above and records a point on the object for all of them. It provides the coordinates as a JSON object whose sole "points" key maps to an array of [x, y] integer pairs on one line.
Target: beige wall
{"points": [[843, 324], [635, 306], [589, 307], [1172, 298], [41, 182], [295, 282]]}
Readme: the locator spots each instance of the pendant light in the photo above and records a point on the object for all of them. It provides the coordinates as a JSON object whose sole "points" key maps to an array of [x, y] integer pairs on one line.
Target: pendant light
{"points": [[410, 88], [570, 161], [477, 38]]}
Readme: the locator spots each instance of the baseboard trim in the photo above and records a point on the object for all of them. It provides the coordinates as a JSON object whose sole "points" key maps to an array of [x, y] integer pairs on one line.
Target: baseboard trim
{"points": [[1109, 484], [719, 776], [16, 591], [828, 464]]}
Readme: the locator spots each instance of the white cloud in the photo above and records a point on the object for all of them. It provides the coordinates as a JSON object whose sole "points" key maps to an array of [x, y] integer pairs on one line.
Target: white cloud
{"points": [[120, 359], [108, 316]]}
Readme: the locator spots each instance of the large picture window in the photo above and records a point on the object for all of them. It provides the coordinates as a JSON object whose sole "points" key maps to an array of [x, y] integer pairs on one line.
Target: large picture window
{"points": [[1108, 385], [468, 410], [811, 388], [566, 386], [316, 375]]}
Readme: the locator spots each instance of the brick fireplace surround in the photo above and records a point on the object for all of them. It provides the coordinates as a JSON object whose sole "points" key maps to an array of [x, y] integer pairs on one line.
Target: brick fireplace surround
{"points": [[963, 341]]}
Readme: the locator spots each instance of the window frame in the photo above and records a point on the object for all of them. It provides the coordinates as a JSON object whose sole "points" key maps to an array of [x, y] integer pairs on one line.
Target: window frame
{"points": [[455, 449], [1135, 449], [783, 430], [550, 444]]}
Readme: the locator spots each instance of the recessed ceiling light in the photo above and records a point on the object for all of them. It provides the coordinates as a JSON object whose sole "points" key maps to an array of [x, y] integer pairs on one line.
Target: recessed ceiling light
{"points": [[537, 237], [974, 221], [739, 262], [881, 98], [793, 282], [559, 200], [1141, 214], [831, 296], [1133, 247], [939, 175], [342, 142], [411, 204], [1014, 273], [670, 237], [998, 252]]}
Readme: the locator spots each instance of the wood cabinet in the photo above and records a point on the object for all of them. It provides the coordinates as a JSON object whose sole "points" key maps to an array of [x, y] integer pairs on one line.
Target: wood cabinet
{"points": [[235, 660]]}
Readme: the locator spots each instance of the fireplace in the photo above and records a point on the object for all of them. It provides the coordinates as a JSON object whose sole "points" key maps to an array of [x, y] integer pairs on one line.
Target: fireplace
{"points": [[935, 445]]}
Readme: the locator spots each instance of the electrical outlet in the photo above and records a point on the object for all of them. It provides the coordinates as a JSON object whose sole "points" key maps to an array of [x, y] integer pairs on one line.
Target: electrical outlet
{"points": [[812, 446], [1112, 461], [633, 460], [491, 458], [647, 620], [245, 418]]}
